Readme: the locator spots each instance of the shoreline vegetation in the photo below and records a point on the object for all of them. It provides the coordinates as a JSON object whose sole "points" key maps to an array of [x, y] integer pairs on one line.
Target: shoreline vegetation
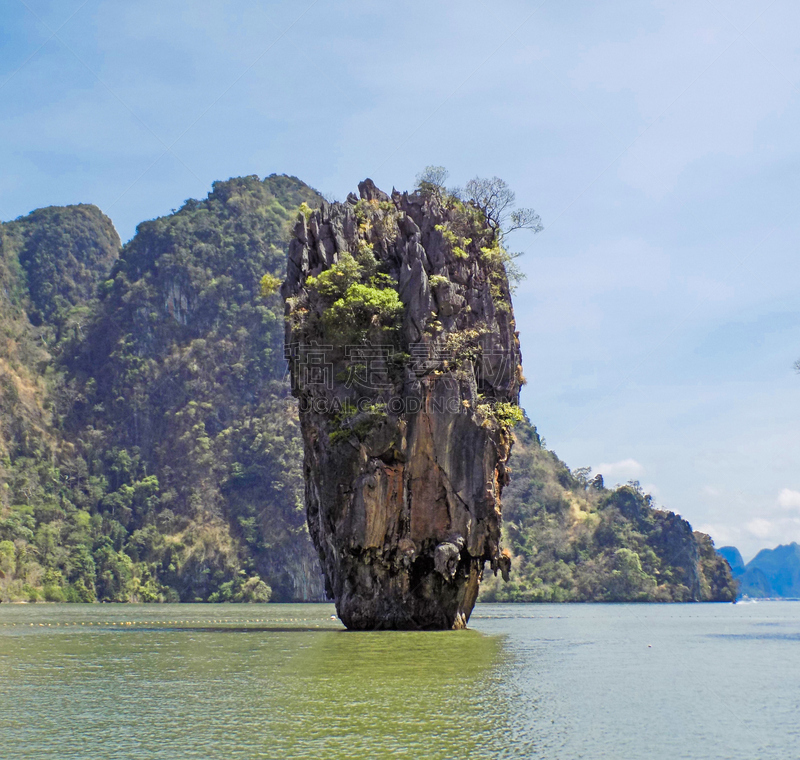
{"points": [[150, 449]]}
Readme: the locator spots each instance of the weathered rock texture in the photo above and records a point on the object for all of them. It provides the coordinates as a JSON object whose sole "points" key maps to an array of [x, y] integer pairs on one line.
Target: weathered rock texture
{"points": [[406, 445]]}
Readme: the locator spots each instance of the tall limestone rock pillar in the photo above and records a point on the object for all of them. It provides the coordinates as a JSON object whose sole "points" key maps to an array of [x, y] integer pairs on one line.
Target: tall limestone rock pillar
{"points": [[406, 364]]}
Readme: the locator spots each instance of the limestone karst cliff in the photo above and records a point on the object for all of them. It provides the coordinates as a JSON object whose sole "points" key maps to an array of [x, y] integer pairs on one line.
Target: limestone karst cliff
{"points": [[406, 364]]}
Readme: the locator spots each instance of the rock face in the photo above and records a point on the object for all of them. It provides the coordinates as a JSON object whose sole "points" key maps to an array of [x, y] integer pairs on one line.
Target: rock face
{"points": [[406, 364]]}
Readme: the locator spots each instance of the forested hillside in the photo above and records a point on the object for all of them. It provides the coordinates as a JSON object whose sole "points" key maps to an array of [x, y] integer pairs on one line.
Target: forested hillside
{"points": [[50, 264], [155, 454], [181, 411], [572, 539], [149, 446]]}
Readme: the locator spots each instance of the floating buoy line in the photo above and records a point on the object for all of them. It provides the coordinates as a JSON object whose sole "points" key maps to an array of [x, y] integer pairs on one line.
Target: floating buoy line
{"points": [[206, 622], [138, 623]]}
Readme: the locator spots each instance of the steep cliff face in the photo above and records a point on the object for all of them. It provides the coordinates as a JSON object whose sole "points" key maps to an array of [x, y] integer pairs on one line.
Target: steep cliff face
{"points": [[406, 364], [182, 408], [150, 448], [50, 263]]}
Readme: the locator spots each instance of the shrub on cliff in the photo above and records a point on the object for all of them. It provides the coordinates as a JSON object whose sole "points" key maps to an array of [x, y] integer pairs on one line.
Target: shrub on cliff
{"points": [[356, 298]]}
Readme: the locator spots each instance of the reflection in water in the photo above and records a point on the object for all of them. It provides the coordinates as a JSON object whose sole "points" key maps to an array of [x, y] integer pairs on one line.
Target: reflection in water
{"points": [[292, 684], [429, 694]]}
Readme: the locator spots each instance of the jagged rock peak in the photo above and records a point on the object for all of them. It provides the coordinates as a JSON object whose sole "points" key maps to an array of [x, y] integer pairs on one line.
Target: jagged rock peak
{"points": [[405, 360]]}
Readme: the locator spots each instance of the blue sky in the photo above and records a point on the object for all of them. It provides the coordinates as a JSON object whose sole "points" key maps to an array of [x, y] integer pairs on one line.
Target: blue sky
{"points": [[658, 140]]}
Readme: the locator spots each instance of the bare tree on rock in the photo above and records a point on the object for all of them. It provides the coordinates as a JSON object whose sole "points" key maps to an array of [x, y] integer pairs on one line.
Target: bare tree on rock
{"points": [[492, 196], [496, 199]]}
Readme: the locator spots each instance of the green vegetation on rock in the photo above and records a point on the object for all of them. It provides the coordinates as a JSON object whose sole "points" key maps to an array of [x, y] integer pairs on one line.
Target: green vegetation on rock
{"points": [[50, 264], [64, 253], [353, 299]]}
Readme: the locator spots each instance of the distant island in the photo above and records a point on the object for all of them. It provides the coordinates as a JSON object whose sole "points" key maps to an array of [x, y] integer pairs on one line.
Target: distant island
{"points": [[771, 574], [150, 447]]}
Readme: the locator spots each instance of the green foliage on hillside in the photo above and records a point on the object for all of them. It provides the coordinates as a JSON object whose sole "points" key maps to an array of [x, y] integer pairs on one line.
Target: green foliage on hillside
{"points": [[50, 263], [64, 252], [182, 475], [572, 539]]}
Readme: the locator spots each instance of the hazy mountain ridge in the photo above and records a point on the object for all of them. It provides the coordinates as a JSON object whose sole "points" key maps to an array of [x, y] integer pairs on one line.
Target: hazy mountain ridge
{"points": [[771, 574], [150, 449]]}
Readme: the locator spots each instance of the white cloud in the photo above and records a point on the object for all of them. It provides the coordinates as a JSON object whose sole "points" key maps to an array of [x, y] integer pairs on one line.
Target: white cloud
{"points": [[774, 531], [625, 468], [789, 499], [760, 527], [624, 296]]}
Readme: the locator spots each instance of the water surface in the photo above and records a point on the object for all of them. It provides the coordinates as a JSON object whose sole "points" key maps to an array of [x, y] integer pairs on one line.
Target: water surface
{"points": [[286, 681]]}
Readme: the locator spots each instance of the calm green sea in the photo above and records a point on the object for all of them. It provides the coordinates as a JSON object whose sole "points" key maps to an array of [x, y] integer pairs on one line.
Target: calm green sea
{"points": [[286, 681]]}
